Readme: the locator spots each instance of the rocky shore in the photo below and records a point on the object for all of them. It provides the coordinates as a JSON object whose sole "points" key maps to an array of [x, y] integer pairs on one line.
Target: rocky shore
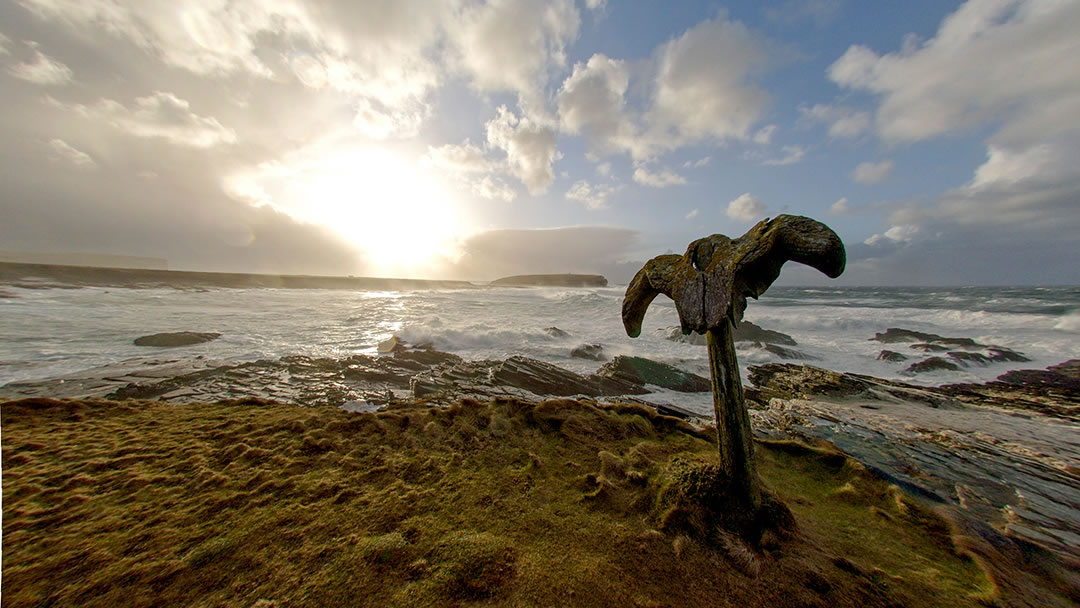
{"points": [[1007, 452]]}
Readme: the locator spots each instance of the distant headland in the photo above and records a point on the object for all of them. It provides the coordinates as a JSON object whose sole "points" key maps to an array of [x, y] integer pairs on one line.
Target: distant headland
{"points": [[552, 280], [48, 275]]}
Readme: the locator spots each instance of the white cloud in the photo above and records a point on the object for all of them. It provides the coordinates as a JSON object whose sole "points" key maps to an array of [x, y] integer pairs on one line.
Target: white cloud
{"points": [[160, 115], [660, 179], [603, 169], [703, 88], [41, 69], [901, 233], [872, 173], [1011, 62], [493, 188], [693, 213], [697, 164], [792, 155], [378, 54], [530, 148], [591, 101], [594, 196], [515, 45], [764, 135], [458, 159], [840, 207], [843, 121], [64, 151], [5, 42], [596, 5], [1027, 189], [746, 207]]}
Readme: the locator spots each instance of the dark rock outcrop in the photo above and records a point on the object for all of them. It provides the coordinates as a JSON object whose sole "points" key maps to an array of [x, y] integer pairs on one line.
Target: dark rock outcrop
{"points": [[640, 371], [555, 332], [895, 334], [745, 332], [953, 359], [177, 338], [749, 332], [891, 355], [593, 352], [931, 365]]}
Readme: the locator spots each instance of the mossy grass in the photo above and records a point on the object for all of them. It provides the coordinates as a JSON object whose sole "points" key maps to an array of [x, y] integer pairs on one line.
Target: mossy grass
{"points": [[511, 503]]}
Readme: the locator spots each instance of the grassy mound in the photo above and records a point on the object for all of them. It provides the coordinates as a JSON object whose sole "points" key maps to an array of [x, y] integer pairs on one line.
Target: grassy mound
{"points": [[504, 503]]}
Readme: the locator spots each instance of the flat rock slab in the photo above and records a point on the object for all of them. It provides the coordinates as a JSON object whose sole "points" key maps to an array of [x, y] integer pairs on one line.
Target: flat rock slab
{"points": [[1014, 468], [176, 338]]}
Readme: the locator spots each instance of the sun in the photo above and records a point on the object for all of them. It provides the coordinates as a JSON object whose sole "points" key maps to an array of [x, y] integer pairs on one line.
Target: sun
{"points": [[402, 219]]}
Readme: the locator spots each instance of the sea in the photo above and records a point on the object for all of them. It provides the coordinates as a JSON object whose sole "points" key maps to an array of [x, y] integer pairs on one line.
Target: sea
{"points": [[58, 330]]}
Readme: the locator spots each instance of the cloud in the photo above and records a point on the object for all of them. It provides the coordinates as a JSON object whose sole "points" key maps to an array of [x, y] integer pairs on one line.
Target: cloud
{"points": [[872, 173], [530, 148], [901, 233], [697, 164], [515, 45], [159, 115], [661, 179], [376, 54], [840, 207], [591, 101], [764, 135], [603, 169], [65, 151], [458, 159], [693, 213], [703, 87], [41, 69], [843, 121], [792, 155], [5, 42], [594, 196], [596, 5], [582, 249], [746, 207], [953, 81], [493, 188]]}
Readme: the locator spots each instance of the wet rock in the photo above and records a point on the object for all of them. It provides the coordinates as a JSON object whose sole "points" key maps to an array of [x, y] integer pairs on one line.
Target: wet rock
{"points": [[555, 332], [749, 332], [1054, 391], [783, 353], [930, 365], [964, 357], [1017, 473], [639, 370], [516, 376], [790, 381], [675, 334], [894, 334], [593, 352], [891, 355], [1000, 354], [745, 332], [177, 338], [927, 347]]}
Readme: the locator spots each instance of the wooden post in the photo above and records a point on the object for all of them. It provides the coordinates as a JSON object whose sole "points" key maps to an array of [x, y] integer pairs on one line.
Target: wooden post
{"points": [[734, 437]]}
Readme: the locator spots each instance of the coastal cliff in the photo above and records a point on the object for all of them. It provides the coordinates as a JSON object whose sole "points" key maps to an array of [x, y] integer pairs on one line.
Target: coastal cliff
{"points": [[552, 280]]}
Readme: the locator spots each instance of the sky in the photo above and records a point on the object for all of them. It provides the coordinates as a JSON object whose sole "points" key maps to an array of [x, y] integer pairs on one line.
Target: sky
{"points": [[476, 139]]}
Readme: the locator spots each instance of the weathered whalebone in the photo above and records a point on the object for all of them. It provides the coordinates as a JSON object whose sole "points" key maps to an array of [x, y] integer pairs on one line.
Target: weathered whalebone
{"points": [[709, 284]]}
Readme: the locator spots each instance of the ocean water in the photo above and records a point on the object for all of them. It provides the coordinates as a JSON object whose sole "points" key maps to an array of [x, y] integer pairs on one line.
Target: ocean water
{"points": [[55, 331]]}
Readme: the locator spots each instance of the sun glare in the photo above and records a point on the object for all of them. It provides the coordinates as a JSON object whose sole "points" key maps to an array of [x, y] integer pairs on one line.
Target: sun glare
{"points": [[393, 210]]}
